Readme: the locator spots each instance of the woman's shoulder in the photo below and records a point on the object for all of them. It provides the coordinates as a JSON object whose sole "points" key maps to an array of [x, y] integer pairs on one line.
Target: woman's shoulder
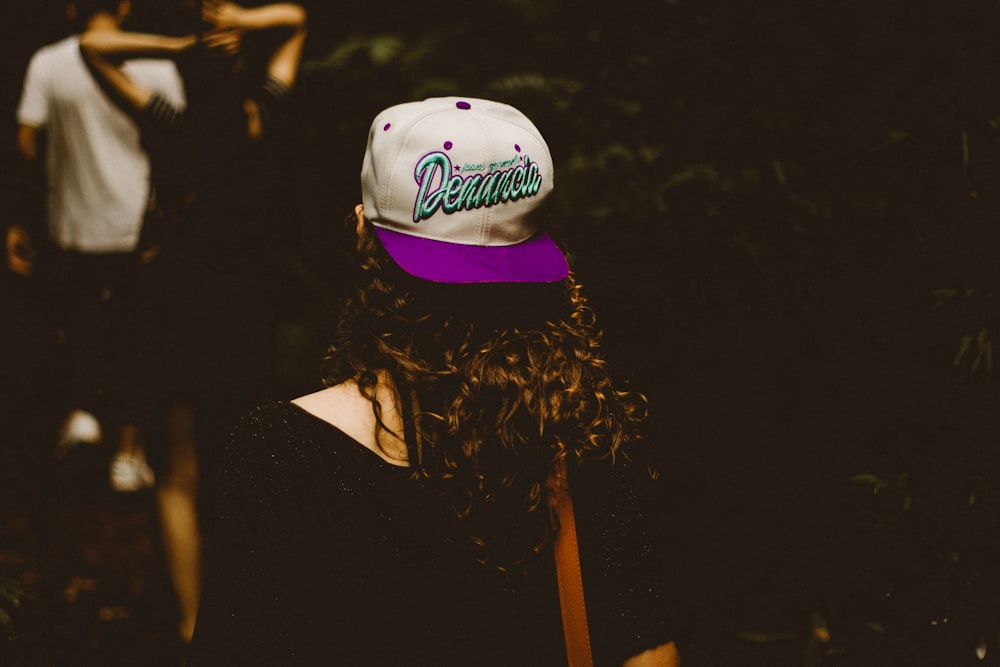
{"points": [[341, 405], [348, 409], [269, 420], [280, 442], [274, 431], [281, 433]]}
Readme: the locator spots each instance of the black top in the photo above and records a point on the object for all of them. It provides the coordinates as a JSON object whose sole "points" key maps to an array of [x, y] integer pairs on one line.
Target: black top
{"points": [[324, 553]]}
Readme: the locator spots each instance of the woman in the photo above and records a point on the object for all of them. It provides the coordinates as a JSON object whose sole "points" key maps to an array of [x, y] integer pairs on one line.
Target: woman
{"points": [[206, 309], [402, 515]]}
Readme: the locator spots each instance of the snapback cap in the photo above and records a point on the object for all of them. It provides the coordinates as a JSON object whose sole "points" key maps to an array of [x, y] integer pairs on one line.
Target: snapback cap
{"points": [[449, 185]]}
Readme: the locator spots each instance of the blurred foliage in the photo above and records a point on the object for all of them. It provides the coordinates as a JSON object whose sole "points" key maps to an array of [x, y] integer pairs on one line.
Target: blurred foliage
{"points": [[649, 105], [977, 311], [17, 603], [923, 586]]}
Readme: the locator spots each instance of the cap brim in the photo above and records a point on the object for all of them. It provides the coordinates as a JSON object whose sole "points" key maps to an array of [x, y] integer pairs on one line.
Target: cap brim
{"points": [[537, 260]]}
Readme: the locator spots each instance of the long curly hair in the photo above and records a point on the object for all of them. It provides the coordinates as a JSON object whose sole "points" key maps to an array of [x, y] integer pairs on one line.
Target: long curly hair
{"points": [[497, 382]]}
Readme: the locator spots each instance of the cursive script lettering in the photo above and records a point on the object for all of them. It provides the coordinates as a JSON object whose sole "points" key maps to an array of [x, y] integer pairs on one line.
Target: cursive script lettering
{"points": [[438, 189]]}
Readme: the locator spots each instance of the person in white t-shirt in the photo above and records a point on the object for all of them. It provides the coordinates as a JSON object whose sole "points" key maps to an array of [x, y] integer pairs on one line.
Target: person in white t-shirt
{"points": [[98, 189]]}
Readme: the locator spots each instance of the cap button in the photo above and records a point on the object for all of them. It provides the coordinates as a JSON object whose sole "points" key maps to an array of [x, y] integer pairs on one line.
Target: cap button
{"points": [[463, 105]]}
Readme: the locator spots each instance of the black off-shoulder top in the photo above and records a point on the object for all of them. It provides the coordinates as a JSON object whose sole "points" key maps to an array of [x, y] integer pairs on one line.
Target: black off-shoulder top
{"points": [[323, 553]]}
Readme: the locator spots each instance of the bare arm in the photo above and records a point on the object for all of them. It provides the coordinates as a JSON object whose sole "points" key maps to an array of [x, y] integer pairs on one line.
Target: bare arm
{"points": [[133, 95], [664, 655], [27, 142], [284, 62], [224, 14], [102, 49], [115, 44], [20, 250]]}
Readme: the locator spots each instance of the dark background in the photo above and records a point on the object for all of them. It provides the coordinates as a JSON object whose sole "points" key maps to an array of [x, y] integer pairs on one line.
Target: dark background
{"points": [[786, 216]]}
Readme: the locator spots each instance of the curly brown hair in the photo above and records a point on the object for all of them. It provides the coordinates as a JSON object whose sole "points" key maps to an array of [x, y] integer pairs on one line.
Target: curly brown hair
{"points": [[497, 383]]}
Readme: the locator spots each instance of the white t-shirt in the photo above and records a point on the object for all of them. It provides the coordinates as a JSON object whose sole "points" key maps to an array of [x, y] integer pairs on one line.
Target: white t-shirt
{"points": [[98, 174]]}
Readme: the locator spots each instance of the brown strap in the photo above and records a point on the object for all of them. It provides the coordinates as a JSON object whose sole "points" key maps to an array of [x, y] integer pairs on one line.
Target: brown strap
{"points": [[569, 574]]}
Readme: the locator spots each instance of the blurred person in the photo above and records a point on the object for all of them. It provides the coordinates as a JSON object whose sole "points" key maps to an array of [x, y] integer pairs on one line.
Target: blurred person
{"points": [[209, 319], [403, 515], [98, 187]]}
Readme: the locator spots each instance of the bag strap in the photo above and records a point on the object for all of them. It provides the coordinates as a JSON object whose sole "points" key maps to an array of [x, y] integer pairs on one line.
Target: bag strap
{"points": [[570, 576]]}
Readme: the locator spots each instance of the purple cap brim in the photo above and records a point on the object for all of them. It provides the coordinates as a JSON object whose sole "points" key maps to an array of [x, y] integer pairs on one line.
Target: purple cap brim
{"points": [[537, 260]]}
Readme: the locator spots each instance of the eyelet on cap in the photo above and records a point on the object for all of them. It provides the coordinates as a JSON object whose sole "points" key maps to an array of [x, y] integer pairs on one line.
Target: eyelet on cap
{"points": [[463, 105]]}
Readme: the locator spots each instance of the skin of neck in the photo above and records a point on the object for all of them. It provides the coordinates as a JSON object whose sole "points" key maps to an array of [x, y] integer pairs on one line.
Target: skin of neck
{"points": [[388, 397]]}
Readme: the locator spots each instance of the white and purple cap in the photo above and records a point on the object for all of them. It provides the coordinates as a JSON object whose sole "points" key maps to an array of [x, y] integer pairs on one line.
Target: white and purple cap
{"points": [[450, 183]]}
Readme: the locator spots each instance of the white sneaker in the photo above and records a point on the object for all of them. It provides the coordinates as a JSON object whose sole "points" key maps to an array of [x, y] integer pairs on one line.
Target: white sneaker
{"points": [[130, 472], [79, 426]]}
